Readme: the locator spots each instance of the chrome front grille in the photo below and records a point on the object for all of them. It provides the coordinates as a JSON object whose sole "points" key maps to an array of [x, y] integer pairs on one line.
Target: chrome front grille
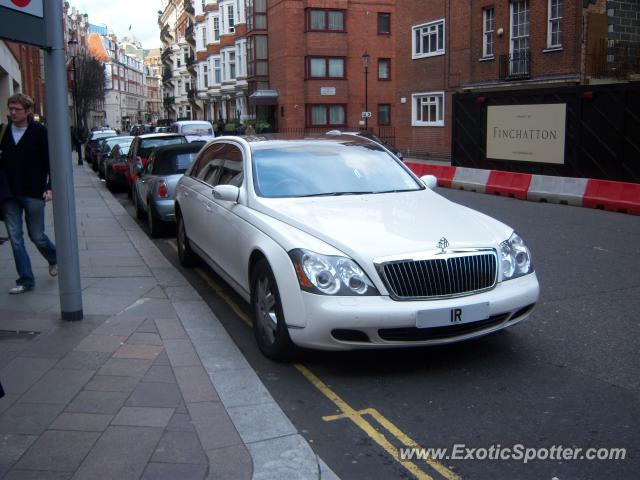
{"points": [[456, 275]]}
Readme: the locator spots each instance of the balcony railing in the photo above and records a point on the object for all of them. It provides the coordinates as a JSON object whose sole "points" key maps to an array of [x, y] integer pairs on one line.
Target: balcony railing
{"points": [[192, 94], [165, 33], [612, 58], [168, 101], [191, 61], [166, 54], [188, 33], [166, 74], [516, 66]]}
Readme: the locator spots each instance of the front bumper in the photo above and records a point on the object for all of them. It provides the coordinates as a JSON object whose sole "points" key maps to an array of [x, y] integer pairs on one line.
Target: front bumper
{"points": [[344, 323]]}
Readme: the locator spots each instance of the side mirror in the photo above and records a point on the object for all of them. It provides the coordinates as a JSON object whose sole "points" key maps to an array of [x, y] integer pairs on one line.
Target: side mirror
{"points": [[430, 181], [228, 193]]}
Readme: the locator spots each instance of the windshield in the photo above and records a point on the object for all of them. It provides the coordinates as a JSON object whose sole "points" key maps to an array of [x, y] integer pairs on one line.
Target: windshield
{"points": [[148, 144], [199, 129], [315, 169], [174, 164]]}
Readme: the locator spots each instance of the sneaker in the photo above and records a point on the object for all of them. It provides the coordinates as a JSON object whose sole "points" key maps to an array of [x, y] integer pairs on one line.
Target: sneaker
{"points": [[53, 270], [18, 289]]}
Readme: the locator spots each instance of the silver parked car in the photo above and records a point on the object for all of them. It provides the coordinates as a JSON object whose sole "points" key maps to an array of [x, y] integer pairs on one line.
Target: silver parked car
{"points": [[153, 191]]}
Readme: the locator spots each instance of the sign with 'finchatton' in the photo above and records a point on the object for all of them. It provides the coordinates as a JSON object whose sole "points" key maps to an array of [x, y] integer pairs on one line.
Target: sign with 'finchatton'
{"points": [[527, 133]]}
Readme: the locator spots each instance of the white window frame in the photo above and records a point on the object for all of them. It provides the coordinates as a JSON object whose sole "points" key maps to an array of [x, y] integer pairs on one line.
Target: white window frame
{"points": [[488, 29], [425, 27], [215, 32], [417, 99], [551, 21]]}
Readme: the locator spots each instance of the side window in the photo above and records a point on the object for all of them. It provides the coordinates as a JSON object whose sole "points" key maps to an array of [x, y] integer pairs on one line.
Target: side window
{"points": [[231, 172], [208, 164]]}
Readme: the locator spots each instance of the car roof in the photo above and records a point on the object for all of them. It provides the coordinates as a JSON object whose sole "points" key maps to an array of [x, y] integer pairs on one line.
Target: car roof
{"points": [[279, 140], [160, 135], [191, 122], [178, 148]]}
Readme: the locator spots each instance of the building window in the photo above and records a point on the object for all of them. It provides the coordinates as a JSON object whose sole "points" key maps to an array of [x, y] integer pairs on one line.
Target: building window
{"points": [[428, 39], [487, 32], [257, 55], [205, 76], [216, 29], [231, 56], [384, 23], [427, 109], [384, 114], [519, 46], [325, 67], [326, 115], [217, 71], [204, 37], [384, 69], [230, 19], [554, 34], [325, 20]]}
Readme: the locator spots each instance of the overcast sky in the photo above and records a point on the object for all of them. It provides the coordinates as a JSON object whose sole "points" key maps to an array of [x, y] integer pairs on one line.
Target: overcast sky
{"points": [[118, 15]]}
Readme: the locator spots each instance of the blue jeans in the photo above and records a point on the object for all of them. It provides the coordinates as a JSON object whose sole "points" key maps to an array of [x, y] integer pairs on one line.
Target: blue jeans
{"points": [[33, 209]]}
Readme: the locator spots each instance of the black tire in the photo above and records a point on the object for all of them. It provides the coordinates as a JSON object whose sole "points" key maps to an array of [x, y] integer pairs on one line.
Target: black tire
{"points": [[109, 182], [156, 226], [187, 257], [140, 215], [269, 327], [100, 171]]}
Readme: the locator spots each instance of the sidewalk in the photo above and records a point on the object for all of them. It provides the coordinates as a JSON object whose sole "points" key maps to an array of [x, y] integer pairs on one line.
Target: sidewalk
{"points": [[149, 385]]}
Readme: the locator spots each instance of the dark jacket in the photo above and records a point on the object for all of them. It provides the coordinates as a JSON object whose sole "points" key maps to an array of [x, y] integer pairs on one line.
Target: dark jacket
{"points": [[26, 164]]}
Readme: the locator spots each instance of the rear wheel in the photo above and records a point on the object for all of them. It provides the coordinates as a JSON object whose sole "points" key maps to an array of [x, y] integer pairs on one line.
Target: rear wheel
{"points": [[186, 256], [269, 326], [136, 205]]}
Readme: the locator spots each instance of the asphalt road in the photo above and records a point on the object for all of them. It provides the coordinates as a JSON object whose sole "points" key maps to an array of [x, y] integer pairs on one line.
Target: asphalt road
{"points": [[569, 376]]}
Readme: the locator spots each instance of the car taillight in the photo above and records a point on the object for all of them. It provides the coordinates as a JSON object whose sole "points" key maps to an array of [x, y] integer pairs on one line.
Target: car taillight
{"points": [[119, 167], [163, 191]]}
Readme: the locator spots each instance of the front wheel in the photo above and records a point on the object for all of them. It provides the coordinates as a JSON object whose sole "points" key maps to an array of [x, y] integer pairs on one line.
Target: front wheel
{"points": [[269, 326], [155, 224]]}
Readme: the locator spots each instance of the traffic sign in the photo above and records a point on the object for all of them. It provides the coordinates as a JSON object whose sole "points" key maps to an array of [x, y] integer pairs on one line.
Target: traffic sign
{"points": [[366, 114], [32, 7], [23, 21]]}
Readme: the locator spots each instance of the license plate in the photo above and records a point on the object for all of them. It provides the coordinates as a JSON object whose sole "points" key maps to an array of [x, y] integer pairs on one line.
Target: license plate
{"points": [[443, 317]]}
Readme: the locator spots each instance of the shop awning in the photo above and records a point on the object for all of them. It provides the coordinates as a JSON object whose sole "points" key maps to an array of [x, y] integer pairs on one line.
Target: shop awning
{"points": [[264, 97]]}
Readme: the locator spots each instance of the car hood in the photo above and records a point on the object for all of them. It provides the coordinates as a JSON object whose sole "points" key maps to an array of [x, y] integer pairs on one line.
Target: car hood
{"points": [[374, 226]]}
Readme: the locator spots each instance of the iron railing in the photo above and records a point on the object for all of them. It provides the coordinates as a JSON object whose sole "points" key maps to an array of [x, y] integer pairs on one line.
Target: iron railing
{"points": [[516, 66]]}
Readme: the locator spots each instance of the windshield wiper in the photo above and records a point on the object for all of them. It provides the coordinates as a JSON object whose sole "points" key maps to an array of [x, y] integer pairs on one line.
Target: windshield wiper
{"points": [[334, 194]]}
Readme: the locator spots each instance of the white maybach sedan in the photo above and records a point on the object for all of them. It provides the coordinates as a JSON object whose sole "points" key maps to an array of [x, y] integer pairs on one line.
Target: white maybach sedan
{"points": [[337, 245]]}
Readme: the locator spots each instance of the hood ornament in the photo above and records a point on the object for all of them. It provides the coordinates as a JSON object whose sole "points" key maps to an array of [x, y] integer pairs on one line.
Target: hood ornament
{"points": [[443, 244]]}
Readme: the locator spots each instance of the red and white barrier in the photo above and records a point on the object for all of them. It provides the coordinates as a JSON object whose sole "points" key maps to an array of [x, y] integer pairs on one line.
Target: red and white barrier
{"points": [[620, 197]]}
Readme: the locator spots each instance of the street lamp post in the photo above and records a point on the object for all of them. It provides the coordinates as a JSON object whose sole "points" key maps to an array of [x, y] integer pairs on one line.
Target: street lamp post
{"points": [[365, 63], [73, 51]]}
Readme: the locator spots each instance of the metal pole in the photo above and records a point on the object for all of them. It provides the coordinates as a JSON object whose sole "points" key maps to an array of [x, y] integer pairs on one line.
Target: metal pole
{"points": [[366, 95], [64, 210], [75, 106]]}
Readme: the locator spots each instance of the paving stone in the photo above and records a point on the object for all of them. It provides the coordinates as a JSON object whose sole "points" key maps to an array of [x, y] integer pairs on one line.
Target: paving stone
{"points": [[7, 401], [195, 384], [181, 353], [87, 422], [21, 373], [100, 343], [125, 367], [58, 451], [182, 408], [179, 447], [83, 360], [181, 294], [156, 292], [112, 383], [13, 446], [234, 463], [144, 338], [171, 329], [155, 395], [148, 326], [148, 352], [213, 425], [28, 418], [168, 277], [261, 422], [121, 453], [57, 386], [152, 308], [97, 402], [160, 373], [123, 325], [283, 457], [36, 475], [180, 422], [240, 387], [143, 417], [171, 471], [162, 359]]}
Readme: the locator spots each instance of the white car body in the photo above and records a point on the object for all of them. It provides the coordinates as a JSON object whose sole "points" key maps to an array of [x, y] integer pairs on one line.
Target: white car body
{"points": [[194, 130], [230, 225]]}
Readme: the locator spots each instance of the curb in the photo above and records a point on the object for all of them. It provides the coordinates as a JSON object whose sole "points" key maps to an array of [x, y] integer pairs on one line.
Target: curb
{"points": [[621, 197]]}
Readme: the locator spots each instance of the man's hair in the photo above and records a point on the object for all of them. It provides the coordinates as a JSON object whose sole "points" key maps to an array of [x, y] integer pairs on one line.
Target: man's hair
{"points": [[25, 100]]}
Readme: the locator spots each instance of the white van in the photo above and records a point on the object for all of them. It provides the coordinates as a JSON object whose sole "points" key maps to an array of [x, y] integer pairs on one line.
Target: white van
{"points": [[194, 130]]}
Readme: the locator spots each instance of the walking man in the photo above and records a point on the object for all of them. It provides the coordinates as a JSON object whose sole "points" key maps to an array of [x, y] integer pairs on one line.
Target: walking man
{"points": [[25, 159]]}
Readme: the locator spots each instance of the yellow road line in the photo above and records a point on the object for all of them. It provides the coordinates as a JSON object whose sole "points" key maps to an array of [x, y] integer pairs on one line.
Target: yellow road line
{"points": [[356, 416]]}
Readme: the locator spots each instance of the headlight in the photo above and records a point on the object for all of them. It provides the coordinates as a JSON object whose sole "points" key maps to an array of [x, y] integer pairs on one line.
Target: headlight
{"points": [[515, 258], [330, 275]]}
